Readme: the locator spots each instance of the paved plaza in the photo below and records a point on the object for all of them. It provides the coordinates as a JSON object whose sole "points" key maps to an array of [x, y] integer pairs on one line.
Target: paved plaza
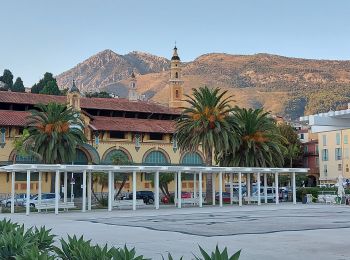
{"points": [[282, 231]]}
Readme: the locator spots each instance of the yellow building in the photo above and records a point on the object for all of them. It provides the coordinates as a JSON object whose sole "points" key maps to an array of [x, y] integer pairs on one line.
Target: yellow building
{"points": [[334, 157], [142, 130]]}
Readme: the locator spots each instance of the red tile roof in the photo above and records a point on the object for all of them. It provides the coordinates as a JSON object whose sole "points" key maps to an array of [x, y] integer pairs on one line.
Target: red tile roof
{"points": [[13, 118], [132, 125], [118, 104]]}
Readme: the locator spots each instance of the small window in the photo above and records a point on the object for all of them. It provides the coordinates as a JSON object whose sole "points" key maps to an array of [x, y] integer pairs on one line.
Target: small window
{"points": [[316, 149], [302, 136], [325, 155], [339, 167], [345, 139], [117, 135], [176, 75], [306, 149], [177, 93], [325, 172], [337, 138], [155, 136], [338, 153], [324, 139]]}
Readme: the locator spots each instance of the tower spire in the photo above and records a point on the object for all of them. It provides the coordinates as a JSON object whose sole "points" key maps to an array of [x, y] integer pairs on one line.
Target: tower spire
{"points": [[176, 84]]}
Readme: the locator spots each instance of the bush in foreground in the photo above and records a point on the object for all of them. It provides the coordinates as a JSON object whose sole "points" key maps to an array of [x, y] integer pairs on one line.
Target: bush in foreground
{"points": [[19, 243]]}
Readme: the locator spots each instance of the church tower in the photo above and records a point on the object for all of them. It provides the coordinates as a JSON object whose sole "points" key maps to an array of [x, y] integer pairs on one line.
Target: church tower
{"points": [[73, 97], [176, 84], [133, 95]]}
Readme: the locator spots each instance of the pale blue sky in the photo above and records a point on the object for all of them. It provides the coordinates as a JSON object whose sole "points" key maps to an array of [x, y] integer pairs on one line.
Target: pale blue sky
{"points": [[41, 35]]}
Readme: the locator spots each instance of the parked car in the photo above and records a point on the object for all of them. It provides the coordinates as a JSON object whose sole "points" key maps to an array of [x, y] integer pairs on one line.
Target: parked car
{"points": [[45, 198], [146, 196], [19, 200], [225, 197], [186, 195]]}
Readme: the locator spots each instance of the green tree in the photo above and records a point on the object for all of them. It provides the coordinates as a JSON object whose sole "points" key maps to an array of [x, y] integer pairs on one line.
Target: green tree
{"points": [[38, 87], [102, 179], [55, 130], [7, 78], [120, 158], [23, 146], [291, 143], [51, 88], [164, 180], [205, 124], [18, 86], [259, 141]]}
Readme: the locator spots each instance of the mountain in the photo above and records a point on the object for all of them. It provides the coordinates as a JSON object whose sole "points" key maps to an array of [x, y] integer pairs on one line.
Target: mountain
{"points": [[285, 86]]}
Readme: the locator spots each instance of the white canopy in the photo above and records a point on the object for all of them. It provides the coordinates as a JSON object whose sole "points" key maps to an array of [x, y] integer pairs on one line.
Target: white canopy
{"points": [[144, 168]]}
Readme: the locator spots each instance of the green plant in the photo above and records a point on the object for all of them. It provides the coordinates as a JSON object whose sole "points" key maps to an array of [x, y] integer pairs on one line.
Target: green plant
{"points": [[170, 257], [217, 255], [6, 226], [43, 239], [15, 243], [259, 143], [35, 254], [125, 254], [204, 123]]}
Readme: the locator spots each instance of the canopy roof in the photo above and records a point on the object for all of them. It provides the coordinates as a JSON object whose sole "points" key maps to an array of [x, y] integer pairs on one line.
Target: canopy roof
{"points": [[144, 168]]}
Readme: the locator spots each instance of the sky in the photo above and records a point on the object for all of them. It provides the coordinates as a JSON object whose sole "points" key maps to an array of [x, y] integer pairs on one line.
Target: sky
{"points": [[40, 35]]}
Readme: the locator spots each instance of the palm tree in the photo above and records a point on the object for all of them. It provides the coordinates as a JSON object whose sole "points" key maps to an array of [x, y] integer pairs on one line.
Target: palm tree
{"points": [[292, 143], [292, 152], [204, 124], [55, 130], [259, 141], [23, 147]]}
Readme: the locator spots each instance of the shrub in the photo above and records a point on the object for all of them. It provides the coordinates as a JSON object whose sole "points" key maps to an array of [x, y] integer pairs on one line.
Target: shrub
{"points": [[315, 191], [37, 244], [217, 255], [16, 242], [35, 254], [125, 254]]}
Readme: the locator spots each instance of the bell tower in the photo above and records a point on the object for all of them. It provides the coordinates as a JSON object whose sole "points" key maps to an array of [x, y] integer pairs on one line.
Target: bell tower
{"points": [[133, 95], [176, 84], [73, 97]]}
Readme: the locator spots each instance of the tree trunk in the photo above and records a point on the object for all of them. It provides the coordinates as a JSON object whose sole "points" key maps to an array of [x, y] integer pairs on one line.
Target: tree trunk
{"points": [[53, 177], [121, 187], [208, 183]]}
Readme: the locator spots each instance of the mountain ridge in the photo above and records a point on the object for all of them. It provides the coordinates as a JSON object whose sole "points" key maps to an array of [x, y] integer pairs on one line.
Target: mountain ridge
{"points": [[299, 85]]}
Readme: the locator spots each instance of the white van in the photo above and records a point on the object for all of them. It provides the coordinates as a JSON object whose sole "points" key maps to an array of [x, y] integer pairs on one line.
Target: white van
{"points": [[271, 196]]}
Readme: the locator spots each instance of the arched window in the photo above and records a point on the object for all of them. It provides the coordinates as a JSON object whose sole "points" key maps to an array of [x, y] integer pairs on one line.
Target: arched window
{"points": [[80, 157], [176, 93], [176, 75], [192, 159], [25, 159], [156, 158], [111, 154]]}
